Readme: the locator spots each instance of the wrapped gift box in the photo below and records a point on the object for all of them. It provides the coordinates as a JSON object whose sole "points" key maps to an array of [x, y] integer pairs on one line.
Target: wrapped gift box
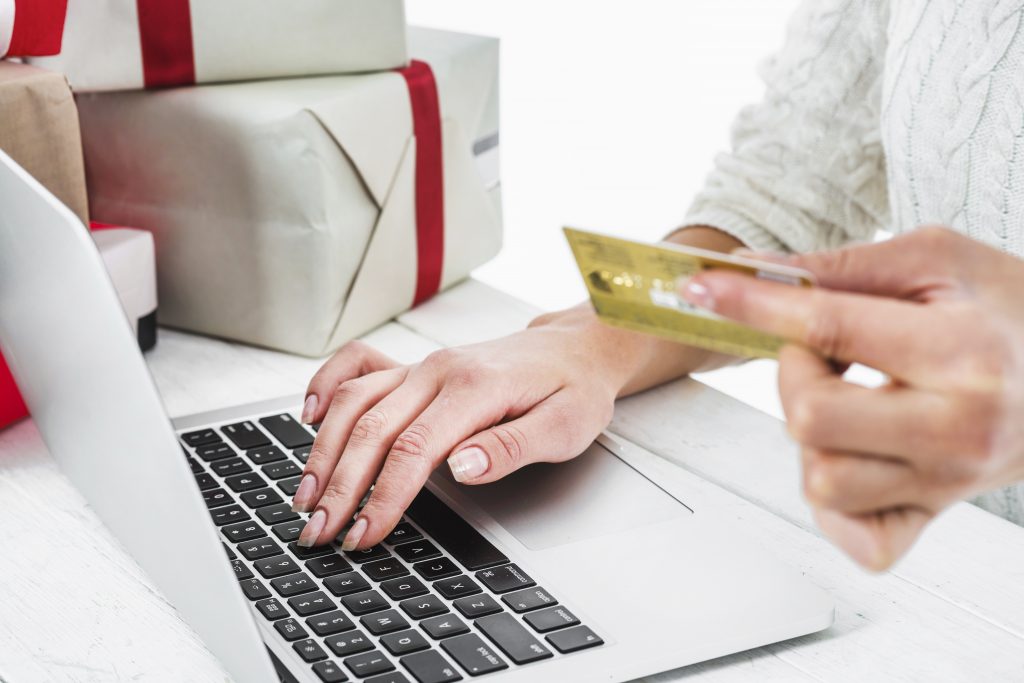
{"points": [[39, 130], [31, 27], [128, 256], [130, 44], [299, 214]]}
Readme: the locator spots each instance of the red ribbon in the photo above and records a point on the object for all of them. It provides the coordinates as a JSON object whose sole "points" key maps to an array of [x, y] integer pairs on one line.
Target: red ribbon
{"points": [[426, 117], [165, 29], [38, 28]]}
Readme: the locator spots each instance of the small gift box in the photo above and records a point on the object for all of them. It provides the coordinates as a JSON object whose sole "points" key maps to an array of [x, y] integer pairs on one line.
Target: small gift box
{"points": [[130, 44], [299, 214]]}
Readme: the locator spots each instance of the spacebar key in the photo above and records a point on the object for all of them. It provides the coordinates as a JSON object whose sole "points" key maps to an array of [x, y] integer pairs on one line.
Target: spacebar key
{"points": [[512, 638], [453, 533]]}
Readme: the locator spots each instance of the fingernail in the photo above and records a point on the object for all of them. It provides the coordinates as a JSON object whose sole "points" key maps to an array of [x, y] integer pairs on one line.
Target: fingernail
{"points": [[309, 409], [698, 294], [303, 500], [312, 530], [355, 534], [469, 464]]}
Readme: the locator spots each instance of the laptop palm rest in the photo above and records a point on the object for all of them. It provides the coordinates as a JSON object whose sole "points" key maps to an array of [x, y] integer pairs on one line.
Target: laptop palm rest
{"points": [[546, 505]]}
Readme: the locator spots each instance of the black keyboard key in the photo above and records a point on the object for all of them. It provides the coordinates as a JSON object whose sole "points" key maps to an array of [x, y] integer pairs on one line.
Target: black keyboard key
{"points": [[423, 606], [195, 466], [306, 553], [330, 623], [290, 629], [417, 550], [368, 664], [456, 587], [430, 667], [529, 599], [277, 514], [441, 568], [365, 602], [551, 619], [241, 571], [258, 548], [261, 497], [402, 533], [382, 570], [573, 639], [280, 470], [293, 584], [329, 672], [380, 623], [245, 435], [230, 466], [216, 498], [288, 531], [476, 606], [201, 437], [205, 481], [328, 565], [217, 451], [444, 626], [229, 515], [279, 565], [473, 654], [377, 552], [254, 589], [265, 455], [285, 429], [346, 584], [512, 638], [351, 643], [289, 486], [302, 454], [453, 533], [504, 579], [402, 588], [404, 642], [271, 609], [391, 677], [311, 603], [245, 482], [309, 650]]}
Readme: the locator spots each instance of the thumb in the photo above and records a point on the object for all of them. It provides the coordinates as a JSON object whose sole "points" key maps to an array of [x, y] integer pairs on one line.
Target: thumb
{"points": [[875, 541], [552, 431]]}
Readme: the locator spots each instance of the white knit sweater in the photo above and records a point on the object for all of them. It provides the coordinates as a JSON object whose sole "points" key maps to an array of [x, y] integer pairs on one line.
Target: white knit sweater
{"points": [[886, 114]]}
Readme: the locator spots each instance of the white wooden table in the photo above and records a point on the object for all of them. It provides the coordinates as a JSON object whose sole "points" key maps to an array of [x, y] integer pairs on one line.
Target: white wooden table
{"points": [[75, 607]]}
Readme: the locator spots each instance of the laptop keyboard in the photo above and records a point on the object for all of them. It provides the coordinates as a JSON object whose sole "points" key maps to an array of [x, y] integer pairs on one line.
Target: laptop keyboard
{"points": [[436, 601]]}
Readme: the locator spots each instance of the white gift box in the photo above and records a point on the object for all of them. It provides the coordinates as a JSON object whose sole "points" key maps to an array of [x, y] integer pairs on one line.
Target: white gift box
{"points": [[299, 214], [131, 44]]}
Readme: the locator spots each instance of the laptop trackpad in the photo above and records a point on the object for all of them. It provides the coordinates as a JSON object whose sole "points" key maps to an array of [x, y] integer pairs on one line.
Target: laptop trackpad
{"points": [[596, 494]]}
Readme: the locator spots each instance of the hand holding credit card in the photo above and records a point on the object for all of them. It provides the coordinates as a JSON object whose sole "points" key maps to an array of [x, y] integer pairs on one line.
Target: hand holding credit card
{"points": [[634, 285]]}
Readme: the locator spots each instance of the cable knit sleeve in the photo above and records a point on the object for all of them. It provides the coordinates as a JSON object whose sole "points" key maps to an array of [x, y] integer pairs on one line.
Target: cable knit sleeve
{"points": [[807, 168]]}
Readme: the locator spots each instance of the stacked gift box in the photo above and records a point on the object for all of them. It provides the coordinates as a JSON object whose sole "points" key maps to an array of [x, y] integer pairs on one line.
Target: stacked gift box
{"points": [[307, 171]]}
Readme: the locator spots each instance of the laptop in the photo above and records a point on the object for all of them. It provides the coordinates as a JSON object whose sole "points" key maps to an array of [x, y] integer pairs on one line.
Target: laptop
{"points": [[582, 571]]}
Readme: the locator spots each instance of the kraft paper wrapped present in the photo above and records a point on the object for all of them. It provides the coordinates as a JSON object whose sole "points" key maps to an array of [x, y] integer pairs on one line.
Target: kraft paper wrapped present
{"points": [[130, 44], [39, 130], [299, 214], [31, 27]]}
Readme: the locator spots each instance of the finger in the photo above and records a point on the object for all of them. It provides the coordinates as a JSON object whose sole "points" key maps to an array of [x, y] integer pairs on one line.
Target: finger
{"points": [[825, 411], [354, 359], [458, 411], [877, 540], [349, 401], [557, 429], [882, 333], [361, 460], [858, 484]]}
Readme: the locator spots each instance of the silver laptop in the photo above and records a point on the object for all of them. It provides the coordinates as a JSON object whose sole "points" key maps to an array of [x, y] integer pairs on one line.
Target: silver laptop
{"points": [[584, 571]]}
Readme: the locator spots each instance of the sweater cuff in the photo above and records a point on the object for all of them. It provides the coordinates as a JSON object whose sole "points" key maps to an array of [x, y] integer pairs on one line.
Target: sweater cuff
{"points": [[752, 235]]}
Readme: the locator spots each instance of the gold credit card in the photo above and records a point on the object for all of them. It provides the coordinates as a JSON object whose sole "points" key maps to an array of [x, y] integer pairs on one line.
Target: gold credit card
{"points": [[633, 285]]}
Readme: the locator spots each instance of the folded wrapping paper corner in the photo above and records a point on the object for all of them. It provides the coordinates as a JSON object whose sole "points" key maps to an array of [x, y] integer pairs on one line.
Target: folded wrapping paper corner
{"points": [[31, 28]]}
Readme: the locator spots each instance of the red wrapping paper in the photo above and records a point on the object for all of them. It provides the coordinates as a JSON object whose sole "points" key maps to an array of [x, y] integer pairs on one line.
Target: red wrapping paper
{"points": [[38, 28]]}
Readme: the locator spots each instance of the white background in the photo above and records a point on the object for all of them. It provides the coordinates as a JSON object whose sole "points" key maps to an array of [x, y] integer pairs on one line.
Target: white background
{"points": [[612, 112]]}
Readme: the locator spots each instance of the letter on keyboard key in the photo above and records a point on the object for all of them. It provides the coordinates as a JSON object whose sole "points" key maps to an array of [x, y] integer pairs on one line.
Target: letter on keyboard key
{"points": [[453, 533], [444, 626], [346, 584], [512, 638], [365, 602], [285, 429], [573, 639], [430, 667], [475, 606], [328, 565], [473, 654]]}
